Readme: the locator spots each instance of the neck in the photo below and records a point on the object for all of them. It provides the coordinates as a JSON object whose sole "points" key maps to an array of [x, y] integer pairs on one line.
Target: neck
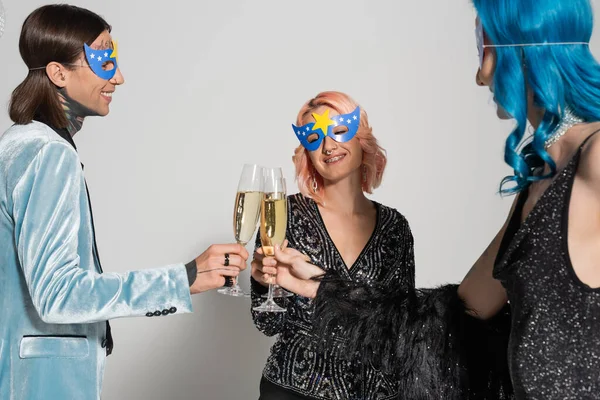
{"points": [[566, 136], [74, 111], [535, 115], [346, 195]]}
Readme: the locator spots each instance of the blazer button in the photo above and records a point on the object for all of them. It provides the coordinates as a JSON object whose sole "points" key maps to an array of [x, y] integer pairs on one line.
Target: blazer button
{"points": [[157, 313], [149, 314], [103, 344], [165, 312], [173, 310]]}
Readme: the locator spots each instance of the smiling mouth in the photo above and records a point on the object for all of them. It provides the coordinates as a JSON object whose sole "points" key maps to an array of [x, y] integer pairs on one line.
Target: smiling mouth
{"points": [[334, 159], [106, 94]]}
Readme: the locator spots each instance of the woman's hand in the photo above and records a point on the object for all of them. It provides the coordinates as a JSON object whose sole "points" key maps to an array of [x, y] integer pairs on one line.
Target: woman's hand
{"points": [[298, 263], [288, 268], [263, 270]]}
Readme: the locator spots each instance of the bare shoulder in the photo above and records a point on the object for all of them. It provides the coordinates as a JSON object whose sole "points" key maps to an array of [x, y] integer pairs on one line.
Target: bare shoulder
{"points": [[589, 163]]}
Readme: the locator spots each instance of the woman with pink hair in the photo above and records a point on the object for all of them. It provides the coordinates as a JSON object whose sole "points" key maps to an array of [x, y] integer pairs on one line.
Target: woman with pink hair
{"points": [[357, 328], [332, 224]]}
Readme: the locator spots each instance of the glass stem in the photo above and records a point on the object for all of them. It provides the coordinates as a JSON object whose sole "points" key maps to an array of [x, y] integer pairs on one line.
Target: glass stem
{"points": [[235, 278], [270, 295]]}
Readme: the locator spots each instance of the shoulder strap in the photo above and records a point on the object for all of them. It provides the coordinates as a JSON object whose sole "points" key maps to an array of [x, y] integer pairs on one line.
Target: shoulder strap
{"points": [[588, 138]]}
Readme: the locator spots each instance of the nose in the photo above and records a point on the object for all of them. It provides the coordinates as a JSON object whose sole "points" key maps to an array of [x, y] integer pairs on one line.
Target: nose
{"points": [[478, 79], [118, 79], [329, 145]]}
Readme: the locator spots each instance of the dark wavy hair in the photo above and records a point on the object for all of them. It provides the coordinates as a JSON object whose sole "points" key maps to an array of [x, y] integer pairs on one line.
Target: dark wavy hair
{"points": [[56, 33]]}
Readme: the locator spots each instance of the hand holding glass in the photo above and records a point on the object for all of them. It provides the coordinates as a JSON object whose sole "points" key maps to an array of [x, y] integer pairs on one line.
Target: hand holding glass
{"points": [[245, 213], [273, 224]]}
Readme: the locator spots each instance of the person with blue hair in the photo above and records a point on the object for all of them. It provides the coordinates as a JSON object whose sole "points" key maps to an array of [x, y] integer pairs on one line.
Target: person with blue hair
{"points": [[535, 58], [525, 321]]}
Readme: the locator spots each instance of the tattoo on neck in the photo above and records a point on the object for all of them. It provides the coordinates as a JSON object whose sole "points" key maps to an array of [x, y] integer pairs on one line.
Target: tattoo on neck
{"points": [[74, 111]]}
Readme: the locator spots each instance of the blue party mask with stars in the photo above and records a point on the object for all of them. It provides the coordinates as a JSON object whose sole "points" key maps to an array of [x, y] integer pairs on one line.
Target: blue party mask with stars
{"points": [[340, 128], [102, 61]]}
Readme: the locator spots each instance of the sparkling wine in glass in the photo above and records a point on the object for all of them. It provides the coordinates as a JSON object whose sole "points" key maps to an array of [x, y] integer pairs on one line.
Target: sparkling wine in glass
{"points": [[246, 211], [278, 291], [273, 224]]}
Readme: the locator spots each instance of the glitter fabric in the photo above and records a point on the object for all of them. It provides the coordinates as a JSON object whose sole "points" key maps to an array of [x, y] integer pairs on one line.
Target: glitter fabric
{"points": [[295, 363], [554, 349]]}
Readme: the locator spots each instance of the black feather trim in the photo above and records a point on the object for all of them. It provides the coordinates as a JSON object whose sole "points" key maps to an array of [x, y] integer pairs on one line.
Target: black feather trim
{"points": [[425, 337]]}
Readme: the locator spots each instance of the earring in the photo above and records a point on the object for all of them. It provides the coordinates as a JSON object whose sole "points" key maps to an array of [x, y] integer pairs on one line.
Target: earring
{"points": [[364, 174], [315, 187]]}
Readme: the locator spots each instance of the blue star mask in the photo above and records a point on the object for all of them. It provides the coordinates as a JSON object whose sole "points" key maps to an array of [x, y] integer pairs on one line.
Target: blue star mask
{"points": [[312, 134], [102, 61]]}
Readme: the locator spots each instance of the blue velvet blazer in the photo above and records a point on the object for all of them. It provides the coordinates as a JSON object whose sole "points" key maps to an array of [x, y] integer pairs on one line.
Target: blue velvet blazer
{"points": [[54, 298]]}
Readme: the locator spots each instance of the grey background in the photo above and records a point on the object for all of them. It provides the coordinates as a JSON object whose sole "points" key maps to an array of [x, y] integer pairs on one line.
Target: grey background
{"points": [[211, 85]]}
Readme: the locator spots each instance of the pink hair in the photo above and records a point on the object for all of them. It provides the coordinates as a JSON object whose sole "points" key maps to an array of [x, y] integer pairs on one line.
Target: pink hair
{"points": [[374, 157]]}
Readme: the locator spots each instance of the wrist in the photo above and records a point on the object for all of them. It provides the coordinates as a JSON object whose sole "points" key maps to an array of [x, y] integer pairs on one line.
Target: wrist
{"points": [[312, 288], [192, 271]]}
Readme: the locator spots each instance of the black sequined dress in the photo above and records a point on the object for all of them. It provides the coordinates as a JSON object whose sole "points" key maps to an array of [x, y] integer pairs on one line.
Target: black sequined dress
{"points": [[295, 363], [554, 348]]}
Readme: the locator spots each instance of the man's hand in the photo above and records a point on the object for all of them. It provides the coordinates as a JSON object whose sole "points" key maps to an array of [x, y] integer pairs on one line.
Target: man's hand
{"points": [[217, 262]]}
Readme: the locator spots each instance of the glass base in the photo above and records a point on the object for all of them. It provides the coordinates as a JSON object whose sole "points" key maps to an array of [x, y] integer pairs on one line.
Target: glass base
{"points": [[278, 292], [235, 291], [269, 306]]}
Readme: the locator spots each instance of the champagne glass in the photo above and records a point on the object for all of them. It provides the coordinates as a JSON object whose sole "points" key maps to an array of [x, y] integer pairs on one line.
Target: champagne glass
{"points": [[278, 291], [273, 224], [246, 211]]}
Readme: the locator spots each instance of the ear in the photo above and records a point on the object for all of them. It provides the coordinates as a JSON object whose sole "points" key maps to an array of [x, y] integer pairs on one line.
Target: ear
{"points": [[57, 74]]}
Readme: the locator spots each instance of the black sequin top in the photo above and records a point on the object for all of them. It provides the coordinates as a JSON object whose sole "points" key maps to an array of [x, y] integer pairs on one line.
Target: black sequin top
{"points": [[554, 348], [294, 363]]}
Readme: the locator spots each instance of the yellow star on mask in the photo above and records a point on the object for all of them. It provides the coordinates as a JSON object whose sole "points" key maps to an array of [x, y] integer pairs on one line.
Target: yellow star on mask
{"points": [[322, 121], [115, 52]]}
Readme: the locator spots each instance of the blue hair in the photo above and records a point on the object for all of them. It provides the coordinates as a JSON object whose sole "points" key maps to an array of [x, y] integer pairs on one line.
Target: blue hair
{"points": [[557, 76]]}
